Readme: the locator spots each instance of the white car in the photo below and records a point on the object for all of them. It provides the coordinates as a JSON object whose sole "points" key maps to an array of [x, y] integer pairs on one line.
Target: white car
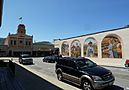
{"points": [[25, 59]]}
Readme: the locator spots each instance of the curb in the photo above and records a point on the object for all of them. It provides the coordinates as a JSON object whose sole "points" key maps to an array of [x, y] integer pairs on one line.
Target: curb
{"points": [[115, 67]]}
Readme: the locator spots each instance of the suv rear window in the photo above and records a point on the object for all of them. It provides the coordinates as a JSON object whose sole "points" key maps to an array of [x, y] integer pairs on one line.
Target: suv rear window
{"points": [[82, 63]]}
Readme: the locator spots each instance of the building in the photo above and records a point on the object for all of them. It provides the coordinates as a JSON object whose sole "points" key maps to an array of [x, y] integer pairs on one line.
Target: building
{"points": [[42, 48], [3, 50], [19, 43], [107, 47]]}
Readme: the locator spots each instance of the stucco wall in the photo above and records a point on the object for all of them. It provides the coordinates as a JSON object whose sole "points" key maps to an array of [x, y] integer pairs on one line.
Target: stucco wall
{"points": [[122, 34]]}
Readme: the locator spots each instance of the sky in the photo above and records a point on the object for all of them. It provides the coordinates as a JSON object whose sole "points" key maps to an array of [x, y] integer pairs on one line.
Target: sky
{"points": [[53, 19]]}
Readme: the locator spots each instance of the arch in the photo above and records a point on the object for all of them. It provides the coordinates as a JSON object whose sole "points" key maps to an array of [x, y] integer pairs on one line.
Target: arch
{"points": [[65, 48], [111, 46], [75, 48], [90, 47]]}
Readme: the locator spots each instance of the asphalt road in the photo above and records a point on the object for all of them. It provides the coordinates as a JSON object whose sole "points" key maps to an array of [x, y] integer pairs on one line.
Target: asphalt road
{"points": [[121, 76]]}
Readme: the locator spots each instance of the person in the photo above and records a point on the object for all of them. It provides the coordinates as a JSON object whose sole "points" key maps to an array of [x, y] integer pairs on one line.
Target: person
{"points": [[90, 50], [119, 52], [115, 54], [110, 51]]}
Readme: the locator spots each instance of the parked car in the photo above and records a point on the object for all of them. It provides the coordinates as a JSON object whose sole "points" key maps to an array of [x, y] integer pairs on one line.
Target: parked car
{"points": [[50, 59], [127, 63], [83, 72], [25, 59]]}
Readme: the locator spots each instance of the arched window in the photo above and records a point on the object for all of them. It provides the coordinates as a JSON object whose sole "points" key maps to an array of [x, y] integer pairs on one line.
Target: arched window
{"points": [[111, 47], [76, 48], [65, 49], [90, 48]]}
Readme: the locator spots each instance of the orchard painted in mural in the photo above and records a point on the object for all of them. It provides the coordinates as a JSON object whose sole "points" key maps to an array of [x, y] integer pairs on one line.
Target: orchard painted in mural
{"points": [[90, 48], [65, 49], [76, 49], [111, 47]]}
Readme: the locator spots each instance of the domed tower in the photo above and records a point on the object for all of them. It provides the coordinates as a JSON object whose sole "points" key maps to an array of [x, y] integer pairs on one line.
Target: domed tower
{"points": [[21, 29]]}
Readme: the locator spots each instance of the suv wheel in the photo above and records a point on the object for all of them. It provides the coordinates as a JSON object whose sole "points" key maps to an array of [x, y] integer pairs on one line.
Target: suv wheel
{"points": [[86, 85], [59, 76]]}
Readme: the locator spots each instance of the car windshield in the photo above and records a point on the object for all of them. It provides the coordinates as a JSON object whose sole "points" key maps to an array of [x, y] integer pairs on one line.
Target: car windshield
{"points": [[25, 56], [83, 63]]}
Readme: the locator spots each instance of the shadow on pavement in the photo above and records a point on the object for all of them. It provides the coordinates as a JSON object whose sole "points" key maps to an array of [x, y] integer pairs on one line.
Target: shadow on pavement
{"points": [[113, 87], [31, 81]]}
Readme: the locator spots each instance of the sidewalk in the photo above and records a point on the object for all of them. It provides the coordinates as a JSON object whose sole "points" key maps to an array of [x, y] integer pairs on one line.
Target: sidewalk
{"points": [[7, 81], [39, 81]]}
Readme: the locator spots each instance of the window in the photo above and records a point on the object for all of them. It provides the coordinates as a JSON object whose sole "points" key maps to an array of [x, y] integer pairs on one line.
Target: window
{"points": [[71, 64], [26, 43], [14, 42], [21, 42], [29, 43], [11, 42], [82, 63]]}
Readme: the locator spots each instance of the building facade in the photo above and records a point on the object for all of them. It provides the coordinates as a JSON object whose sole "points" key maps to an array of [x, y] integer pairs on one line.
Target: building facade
{"points": [[20, 42], [3, 50], [42, 48], [107, 47]]}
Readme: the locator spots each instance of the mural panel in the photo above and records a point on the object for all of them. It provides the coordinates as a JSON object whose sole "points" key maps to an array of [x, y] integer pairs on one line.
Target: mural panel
{"points": [[111, 47], [65, 49], [76, 49], [90, 48]]}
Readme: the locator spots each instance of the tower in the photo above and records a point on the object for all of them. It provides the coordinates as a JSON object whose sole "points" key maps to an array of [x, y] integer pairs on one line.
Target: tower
{"points": [[21, 29]]}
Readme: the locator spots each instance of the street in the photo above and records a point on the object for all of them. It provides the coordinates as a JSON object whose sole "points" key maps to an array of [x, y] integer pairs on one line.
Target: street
{"points": [[121, 75]]}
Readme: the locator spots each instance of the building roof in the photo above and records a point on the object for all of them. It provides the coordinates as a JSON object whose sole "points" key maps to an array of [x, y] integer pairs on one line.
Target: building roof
{"points": [[127, 26], [17, 35], [43, 43], [1, 8]]}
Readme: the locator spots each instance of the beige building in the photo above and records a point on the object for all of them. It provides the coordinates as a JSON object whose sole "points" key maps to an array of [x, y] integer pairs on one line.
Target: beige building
{"points": [[16, 44], [42, 48], [107, 47], [20, 42]]}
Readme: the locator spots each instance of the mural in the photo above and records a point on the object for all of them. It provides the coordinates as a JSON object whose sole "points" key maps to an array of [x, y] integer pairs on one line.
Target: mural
{"points": [[90, 48], [111, 47], [65, 49], [76, 49]]}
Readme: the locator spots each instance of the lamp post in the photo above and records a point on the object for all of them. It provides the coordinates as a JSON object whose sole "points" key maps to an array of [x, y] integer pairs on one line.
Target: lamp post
{"points": [[1, 8]]}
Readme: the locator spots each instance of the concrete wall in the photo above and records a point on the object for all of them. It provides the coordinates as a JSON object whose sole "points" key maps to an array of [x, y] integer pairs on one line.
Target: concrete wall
{"points": [[122, 34]]}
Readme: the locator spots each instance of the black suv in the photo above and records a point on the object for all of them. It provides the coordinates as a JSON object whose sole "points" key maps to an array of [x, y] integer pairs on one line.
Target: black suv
{"points": [[84, 72]]}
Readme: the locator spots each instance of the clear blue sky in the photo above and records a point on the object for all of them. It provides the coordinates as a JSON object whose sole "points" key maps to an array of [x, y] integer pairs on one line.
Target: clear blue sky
{"points": [[52, 19]]}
